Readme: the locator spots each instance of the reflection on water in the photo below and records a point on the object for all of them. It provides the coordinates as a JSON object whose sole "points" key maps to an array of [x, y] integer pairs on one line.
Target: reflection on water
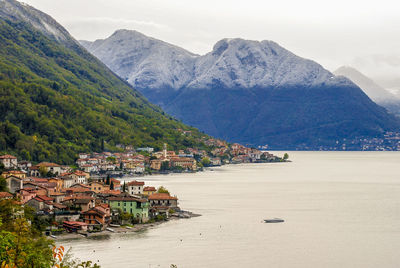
{"points": [[341, 209]]}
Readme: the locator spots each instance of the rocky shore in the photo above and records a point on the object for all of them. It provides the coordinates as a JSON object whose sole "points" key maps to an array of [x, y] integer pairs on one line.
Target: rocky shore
{"points": [[123, 229]]}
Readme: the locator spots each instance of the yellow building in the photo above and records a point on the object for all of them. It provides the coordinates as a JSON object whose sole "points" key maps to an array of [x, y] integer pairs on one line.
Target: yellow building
{"points": [[98, 187], [149, 190], [16, 173]]}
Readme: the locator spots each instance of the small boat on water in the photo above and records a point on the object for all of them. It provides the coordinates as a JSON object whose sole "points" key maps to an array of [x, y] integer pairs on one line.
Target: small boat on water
{"points": [[274, 220]]}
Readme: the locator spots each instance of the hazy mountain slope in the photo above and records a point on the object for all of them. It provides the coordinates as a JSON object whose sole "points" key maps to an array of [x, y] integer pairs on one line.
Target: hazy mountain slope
{"points": [[57, 100], [144, 62], [252, 92], [373, 90]]}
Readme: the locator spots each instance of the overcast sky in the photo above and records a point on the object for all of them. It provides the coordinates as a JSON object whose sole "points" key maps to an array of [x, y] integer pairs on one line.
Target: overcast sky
{"points": [[363, 34]]}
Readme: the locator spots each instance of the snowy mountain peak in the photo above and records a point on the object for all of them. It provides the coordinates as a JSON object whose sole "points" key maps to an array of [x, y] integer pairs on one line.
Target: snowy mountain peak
{"points": [[245, 63], [148, 63], [17, 11]]}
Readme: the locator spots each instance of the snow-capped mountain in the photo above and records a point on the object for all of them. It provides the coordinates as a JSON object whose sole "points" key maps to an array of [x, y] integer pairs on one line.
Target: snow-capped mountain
{"points": [[18, 11], [245, 91], [143, 61], [248, 64], [148, 63]]}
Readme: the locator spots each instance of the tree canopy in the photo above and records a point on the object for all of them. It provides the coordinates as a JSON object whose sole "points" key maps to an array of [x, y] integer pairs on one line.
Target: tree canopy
{"points": [[56, 102]]}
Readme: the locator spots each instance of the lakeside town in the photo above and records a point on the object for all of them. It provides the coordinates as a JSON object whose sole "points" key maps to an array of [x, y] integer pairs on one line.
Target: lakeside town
{"points": [[389, 141], [99, 193]]}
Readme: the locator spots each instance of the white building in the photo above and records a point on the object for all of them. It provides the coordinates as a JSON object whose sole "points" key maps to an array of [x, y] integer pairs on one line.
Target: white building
{"points": [[9, 161], [135, 187]]}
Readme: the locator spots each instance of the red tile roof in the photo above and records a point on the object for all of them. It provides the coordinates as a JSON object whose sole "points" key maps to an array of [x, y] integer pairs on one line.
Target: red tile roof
{"points": [[136, 183], [77, 189], [115, 181], [7, 156], [183, 159], [5, 195], [149, 188], [47, 164], [39, 180], [75, 223], [126, 198], [113, 192], [80, 173], [15, 172], [162, 196], [59, 206], [45, 198]]}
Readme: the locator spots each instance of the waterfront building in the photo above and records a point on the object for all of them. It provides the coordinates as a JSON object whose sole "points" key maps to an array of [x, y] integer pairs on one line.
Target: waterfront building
{"points": [[149, 190], [163, 200], [135, 187], [138, 207]]}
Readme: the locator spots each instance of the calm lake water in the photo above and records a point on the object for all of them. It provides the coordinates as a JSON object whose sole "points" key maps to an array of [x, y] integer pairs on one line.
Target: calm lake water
{"points": [[341, 209]]}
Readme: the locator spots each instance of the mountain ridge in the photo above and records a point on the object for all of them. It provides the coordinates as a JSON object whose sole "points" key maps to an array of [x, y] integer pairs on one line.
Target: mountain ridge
{"points": [[373, 90], [253, 92]]}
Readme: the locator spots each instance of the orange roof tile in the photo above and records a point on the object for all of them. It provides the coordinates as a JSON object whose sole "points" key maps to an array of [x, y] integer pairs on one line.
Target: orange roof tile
{"points": [[136, 183], [7, 156], [149, 188], [162, 196], [47, 164], [5, 195]]}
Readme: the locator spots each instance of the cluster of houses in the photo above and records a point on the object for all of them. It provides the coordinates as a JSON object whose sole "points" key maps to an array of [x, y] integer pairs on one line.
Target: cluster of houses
{"points": [[134, 161], [80, 202], [84, 199], [237, 153]]}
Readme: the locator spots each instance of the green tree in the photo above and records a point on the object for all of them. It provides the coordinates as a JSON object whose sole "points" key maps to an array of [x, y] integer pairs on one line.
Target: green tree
{"points": [[108, 180], [43, 171], [286, 156], [112, 185], [3, 185], [22, 248], [124, 187], [111, 159], [206, 162], [102, 145], [57, 101], [164, 166], [162, 190]]}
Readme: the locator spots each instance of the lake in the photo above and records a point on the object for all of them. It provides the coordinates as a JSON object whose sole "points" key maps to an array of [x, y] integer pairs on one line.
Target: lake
{"points": [[341, 209]]}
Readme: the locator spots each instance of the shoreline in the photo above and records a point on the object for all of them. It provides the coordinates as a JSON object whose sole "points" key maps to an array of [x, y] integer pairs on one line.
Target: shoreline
{"points": [[136, 228], [210, 168]]}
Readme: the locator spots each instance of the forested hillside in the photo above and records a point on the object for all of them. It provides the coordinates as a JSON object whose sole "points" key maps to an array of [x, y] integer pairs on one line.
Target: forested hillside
{"points": [[57, 101]]}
